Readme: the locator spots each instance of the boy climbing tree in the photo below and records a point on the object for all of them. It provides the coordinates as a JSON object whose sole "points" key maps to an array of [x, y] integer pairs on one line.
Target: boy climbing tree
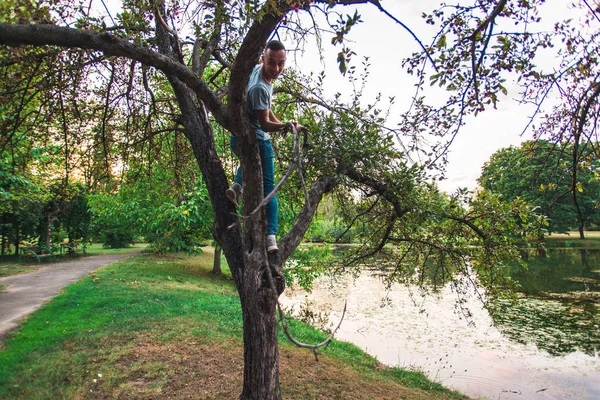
{"points": [[262, 121]]}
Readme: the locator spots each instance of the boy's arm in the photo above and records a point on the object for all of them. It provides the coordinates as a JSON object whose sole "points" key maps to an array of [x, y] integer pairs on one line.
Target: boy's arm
{"points": [[268, 122], [273, 118]]}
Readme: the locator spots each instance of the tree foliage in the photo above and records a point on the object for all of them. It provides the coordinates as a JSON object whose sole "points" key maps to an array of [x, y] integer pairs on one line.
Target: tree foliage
{"points": [[541, 173]]}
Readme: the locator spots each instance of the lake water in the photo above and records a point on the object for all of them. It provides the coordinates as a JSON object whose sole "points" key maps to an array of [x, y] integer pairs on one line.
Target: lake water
{"points": [[547, 347]]}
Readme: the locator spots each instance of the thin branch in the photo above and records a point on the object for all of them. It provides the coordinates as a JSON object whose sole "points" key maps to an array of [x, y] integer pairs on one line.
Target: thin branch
{"points": [[592, 10], [489, 21], [378, 5], [312, 347], [357, 217], [383, 241], [477, 66], [316, 100], [110, 45], [199, 62], [427, 243], [538, 108], [108, 12], [172, 32], [380, 187], [471, 225]]}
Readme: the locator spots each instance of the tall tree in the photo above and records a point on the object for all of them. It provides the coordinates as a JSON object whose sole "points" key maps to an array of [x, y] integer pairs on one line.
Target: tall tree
{"points": [[113, 61], [541, 173]]}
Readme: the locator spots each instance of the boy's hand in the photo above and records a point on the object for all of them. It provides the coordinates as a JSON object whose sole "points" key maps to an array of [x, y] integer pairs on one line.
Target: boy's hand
{"points": [[288, 127]]}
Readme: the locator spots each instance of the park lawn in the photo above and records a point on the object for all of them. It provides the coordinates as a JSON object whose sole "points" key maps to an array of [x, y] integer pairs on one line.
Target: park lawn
{"points": [[96, 249], [8, 268], [11, 265], [571, 239], [150, 327]]}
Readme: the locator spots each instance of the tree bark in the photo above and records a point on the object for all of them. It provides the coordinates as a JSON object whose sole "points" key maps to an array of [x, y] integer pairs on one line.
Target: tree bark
{"points": [[581, 231], [17, 234], [2, 239], [261, 351], [217, 261], [51, 218]]}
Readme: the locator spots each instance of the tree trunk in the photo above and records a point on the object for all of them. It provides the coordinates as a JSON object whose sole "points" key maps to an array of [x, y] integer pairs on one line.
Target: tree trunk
{"points": [[245, 252], [48, 233], [584, 260], [17, 235], [217, 260], [2, 236], [51, 218], [261, 352]]}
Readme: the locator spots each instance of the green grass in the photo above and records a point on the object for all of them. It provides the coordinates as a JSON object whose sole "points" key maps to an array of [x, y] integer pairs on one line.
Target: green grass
{"points": [[10, 265], [113, 305], [572, 240], [86, 329], [12, 268], [358, 359], [96, 249]]}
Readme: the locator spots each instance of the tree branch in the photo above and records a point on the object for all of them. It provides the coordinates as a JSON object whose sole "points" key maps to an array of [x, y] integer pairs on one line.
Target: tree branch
{"points": [[489, 21], [382, 242], [377, 4], [246, 59], [380, 187], [471, 225], [44, 35], [293, 238], [312, 347], [295, 160]]}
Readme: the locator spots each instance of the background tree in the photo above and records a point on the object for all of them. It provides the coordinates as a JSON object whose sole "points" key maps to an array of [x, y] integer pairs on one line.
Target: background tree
{"points": [[540, 173], [76, 217]]}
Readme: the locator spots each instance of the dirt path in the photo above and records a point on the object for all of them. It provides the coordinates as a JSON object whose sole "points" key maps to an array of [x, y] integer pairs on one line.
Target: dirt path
{"points": [[27, 292]]}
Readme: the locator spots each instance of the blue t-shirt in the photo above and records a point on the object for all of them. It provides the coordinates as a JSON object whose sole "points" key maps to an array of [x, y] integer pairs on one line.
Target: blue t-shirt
{"points": [[258, 98]]}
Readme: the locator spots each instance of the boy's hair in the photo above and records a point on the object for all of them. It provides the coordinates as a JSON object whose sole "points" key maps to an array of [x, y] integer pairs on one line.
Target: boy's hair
{"points": [[275, 45]]}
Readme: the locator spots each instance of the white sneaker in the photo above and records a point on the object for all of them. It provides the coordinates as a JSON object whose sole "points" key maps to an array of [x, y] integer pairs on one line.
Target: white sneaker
{"points": [[271, 244], [234, 193]]}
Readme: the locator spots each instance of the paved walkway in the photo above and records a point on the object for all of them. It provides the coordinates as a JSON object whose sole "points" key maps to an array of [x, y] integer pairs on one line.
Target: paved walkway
{"points": [[27, 292]]}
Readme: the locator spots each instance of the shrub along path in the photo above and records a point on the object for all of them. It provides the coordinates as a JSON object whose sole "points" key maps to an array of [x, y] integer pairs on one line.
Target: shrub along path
{"points": [[25, 293]]}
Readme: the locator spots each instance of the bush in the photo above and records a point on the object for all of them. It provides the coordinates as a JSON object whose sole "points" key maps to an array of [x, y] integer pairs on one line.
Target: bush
{"points": [[116, 238], [330, 232], [307, 263], [183, 225]]}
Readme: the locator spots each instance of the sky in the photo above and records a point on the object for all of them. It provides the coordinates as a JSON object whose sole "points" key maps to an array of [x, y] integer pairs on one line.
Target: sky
{"points": [[386, 43]]}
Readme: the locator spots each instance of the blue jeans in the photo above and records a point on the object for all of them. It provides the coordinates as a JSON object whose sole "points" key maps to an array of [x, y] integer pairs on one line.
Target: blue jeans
{"points": [[268, 169]]}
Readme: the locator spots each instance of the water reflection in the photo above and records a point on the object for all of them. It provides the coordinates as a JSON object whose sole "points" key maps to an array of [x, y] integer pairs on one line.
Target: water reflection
{"points": [[560, 310], [476, 357], [560, 271]]}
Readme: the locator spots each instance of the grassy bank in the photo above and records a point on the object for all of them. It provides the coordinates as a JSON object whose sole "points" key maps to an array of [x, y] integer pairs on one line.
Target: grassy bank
{"points": [[166, 328], [572, 240]]}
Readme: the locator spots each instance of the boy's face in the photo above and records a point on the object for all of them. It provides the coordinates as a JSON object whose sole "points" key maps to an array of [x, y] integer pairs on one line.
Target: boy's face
{"points": [[273, 64]]}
